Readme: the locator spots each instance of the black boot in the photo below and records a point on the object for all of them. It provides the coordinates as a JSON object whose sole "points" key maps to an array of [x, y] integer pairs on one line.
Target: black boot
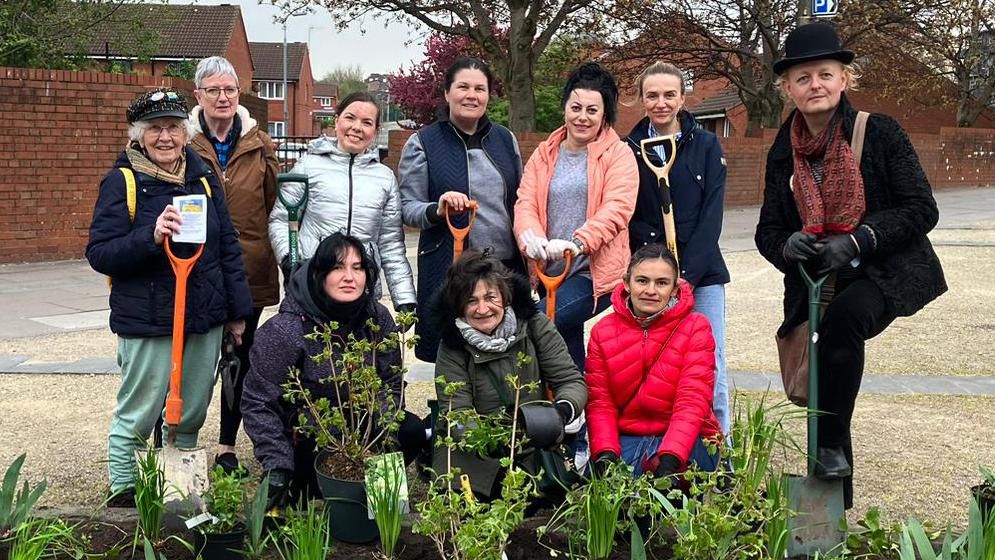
{"points": [[831, 464]]}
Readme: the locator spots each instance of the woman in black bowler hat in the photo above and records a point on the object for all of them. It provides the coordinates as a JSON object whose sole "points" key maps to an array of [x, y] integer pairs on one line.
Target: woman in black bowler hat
{"points": [[861, 221]]}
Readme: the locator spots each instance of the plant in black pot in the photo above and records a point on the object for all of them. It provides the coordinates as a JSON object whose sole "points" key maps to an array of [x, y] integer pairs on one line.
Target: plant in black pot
{"points": [[984, 493], [359, 421], [221, 533]]}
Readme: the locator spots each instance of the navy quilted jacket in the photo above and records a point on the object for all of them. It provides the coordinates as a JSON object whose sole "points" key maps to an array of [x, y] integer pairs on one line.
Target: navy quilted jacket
{"points": [[142, 281]]}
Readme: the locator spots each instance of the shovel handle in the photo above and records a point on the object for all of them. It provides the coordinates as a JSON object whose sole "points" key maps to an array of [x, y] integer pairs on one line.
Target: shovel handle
{"points": [[182, 268], [551, 283], [814, 310], [646, 147], [459, 234]]}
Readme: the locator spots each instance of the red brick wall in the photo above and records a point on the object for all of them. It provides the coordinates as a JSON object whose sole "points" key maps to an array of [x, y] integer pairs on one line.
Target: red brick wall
{"points": [[61, 133]]}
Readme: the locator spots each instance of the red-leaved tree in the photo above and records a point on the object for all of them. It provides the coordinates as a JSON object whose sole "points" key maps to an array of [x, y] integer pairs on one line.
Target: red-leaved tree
{"points": [[418, 91]]}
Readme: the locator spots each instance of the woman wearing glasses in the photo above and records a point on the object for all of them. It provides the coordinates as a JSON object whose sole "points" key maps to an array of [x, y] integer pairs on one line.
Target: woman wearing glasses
{"points": [[242, 157]]}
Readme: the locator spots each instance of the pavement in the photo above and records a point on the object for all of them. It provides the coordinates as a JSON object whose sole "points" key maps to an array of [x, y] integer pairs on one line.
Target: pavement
{"points": [[38, 300]]}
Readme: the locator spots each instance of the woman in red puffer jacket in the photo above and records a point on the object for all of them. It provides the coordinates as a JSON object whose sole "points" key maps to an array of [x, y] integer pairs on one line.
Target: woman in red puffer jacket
{"points": [[651, 373]]}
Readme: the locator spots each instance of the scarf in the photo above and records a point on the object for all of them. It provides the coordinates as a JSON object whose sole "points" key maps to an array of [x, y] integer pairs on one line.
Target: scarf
{"points": [[141, 163], [832, 203], [646, 321], [499, 341]]}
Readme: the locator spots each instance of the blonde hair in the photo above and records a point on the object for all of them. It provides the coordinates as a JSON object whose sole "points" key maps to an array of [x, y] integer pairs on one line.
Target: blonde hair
{"points": [[660, 67], [852, 72]]}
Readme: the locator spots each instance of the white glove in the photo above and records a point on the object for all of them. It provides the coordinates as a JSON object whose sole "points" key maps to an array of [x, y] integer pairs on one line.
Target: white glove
{"points": [[556, 248], [535, 246], [576, 425]]}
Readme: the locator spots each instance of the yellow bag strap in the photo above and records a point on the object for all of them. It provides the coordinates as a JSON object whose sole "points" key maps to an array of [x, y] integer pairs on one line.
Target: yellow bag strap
{"points": [[131, 192], [207, 186]]}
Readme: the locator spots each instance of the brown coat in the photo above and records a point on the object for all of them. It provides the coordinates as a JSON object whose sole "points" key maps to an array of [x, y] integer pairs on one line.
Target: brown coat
{"points": [[250, 190]]}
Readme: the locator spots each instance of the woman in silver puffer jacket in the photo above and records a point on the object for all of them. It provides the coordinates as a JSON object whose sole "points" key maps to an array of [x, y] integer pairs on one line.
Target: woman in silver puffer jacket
{"points": [[350, 192]]}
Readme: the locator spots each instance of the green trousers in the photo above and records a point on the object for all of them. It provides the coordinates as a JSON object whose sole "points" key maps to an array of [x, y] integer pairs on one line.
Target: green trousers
{"points": [[145, 368]]}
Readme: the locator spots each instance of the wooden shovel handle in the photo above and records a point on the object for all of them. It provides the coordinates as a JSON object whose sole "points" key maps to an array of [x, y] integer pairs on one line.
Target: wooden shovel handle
{"points": [[182, 268], [459, 234]]}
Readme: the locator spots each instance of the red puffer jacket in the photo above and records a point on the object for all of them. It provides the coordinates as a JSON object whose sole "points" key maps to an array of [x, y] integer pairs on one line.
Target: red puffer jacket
{"points": [[675, 400]]}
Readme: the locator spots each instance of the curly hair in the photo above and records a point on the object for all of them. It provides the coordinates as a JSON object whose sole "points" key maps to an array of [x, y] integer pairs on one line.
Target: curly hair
{"points": [[472, 267]]}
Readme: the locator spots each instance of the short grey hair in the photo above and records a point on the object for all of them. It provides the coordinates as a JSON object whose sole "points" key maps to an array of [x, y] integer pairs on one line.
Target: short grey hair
{"points": [[138, 128], [213, 66]]}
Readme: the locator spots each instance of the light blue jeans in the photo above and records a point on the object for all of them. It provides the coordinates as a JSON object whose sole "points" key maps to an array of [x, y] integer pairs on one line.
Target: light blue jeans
{"points": [[636, 449], [710, 301]]}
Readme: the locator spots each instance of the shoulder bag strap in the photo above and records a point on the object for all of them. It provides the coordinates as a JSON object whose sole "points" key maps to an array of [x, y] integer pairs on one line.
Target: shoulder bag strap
{"points": [[857, 142], [646, 370], [131, 192]]}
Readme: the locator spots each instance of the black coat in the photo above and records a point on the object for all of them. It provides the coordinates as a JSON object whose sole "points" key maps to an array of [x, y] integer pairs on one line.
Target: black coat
{"points": [[697, 187], [143, 282], [900, 210]]}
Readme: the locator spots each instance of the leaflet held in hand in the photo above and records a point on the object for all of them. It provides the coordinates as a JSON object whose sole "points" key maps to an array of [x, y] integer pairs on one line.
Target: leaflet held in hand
{"points": [[193, 211]]}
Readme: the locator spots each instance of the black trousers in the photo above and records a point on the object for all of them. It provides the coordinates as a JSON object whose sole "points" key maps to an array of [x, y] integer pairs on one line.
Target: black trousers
{"points": [[857, 313], [231, 417]]}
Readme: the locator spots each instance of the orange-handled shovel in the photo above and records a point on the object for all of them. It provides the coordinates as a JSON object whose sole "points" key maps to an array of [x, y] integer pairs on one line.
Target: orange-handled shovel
{"points": [[459, 234], [551, 283], [185, 470]]}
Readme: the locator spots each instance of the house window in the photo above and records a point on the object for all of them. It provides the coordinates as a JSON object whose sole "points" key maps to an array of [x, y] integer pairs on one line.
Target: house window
{"points": [[270, 90], [277, 128], [323, 101]]}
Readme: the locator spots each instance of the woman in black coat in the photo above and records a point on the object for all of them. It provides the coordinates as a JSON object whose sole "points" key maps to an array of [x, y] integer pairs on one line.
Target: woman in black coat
{"points": [[862, 222]]}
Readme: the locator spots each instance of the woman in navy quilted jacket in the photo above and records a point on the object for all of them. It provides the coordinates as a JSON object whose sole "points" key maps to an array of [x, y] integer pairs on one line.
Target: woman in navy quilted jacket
{"points": [[651, 372], [126, 244]]}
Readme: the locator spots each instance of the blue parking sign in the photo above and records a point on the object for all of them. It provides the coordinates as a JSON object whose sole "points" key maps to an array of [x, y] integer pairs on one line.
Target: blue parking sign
{"points": [[825, 8]]}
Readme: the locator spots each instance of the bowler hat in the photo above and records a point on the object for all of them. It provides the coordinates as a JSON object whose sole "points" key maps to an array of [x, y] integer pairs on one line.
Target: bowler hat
{"points": [[815, 41], [155, 104]]}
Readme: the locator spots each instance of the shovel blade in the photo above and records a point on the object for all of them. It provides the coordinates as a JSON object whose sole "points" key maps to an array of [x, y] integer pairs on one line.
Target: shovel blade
{"points": [[185, 471], [816, 525]]}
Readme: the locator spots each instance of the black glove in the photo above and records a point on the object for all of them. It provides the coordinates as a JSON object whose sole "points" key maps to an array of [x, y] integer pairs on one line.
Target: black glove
{"points": [[602, 461], [566, 411], [286, 269], [836, 252], [666, 465], [800, 247], [279, 488], [406, 308]]}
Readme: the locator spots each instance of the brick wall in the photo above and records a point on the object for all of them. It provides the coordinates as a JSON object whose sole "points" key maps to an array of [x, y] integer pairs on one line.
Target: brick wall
{"points": [[955, 157], [61, 133]]}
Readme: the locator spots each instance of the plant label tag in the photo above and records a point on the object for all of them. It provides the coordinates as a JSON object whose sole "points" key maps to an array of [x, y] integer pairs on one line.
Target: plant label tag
{"points": [[386, 483], [200, 519], [193, 211]]}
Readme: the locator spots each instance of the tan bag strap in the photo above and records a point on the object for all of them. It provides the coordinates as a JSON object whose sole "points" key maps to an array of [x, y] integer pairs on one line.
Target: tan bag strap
{"points": [[857, 142]]}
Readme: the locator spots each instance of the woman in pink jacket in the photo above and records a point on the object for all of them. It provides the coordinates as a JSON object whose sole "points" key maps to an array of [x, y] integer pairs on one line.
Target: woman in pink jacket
{"points": [[577, 194], [650, 373]]}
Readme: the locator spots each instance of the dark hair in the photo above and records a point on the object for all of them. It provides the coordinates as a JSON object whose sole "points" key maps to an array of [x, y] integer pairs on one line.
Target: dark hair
{"points": [[468, 63], [330, 252], [590, 75], [650, 252], [472, 267], [359, 97]]}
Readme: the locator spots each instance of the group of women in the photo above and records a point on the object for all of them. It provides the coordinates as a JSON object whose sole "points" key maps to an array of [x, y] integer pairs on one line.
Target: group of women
{"points": [[650, 389]]}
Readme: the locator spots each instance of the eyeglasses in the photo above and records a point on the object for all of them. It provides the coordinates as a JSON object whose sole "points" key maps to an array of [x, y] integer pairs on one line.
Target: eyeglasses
{"points": [[214, 92], [173, 130]]}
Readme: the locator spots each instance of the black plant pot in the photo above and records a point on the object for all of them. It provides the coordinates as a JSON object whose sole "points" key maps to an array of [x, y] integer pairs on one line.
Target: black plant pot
{"points": [[220, 546], [345, 502], [985, 496]]}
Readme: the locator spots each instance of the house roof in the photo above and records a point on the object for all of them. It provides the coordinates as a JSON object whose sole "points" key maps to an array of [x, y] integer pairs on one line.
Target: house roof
{"points": [[267, 60], [717, 104], [183, 31], [325, 90]]}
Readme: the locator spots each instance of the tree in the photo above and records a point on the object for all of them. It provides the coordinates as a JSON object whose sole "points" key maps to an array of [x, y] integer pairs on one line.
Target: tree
{"points": [[527, 27], [737, 40], [58, 33], [349, 79]]}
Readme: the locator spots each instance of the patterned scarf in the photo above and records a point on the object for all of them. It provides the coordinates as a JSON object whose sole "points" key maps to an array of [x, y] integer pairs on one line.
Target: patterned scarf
{"points": [[835, 204], [142, 164], [498, 341], [646, 321]]}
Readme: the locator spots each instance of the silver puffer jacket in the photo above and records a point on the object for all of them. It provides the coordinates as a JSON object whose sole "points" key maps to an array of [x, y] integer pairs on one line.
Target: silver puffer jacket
{"points": [[354, 194]]}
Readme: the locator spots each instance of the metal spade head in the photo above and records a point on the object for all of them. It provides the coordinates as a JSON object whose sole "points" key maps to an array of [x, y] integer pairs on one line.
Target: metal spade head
{"points": [[816, 525], [185, 471]]}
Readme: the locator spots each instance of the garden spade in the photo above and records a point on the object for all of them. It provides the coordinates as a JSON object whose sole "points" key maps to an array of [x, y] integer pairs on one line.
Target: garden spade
{"points": [[818, 503], [295, 212], [459, 234], [185, 470], [551, 283], [648, 146]]}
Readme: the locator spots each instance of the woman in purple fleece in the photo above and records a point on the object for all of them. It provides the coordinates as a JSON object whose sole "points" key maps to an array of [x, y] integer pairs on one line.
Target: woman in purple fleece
{"points": [[334, 285]]}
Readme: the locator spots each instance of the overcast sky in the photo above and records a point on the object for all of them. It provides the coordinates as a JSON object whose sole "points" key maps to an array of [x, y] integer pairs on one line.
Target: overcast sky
{"points": [[379, 50]]}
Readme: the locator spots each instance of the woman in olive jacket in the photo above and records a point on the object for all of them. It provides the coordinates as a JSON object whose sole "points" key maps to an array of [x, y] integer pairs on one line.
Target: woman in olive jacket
{"points": [[864, 223]]}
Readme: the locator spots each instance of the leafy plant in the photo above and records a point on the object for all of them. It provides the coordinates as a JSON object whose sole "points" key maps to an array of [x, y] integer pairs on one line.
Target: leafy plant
{"points": [[305, 535], [364, 415], [871, 538], [16, 505], [150, 498], [976, 543], [384, 493], [255, 520], [39, 538], [987, 475], [225, 501]]}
